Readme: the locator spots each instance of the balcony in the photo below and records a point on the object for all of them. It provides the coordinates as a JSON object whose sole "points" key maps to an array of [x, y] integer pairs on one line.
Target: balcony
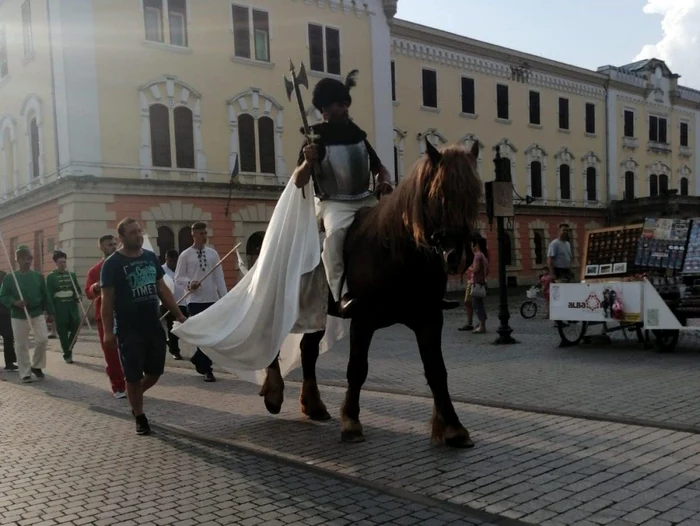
{"points": [[631, 143], [659, 147], [685, 151]]}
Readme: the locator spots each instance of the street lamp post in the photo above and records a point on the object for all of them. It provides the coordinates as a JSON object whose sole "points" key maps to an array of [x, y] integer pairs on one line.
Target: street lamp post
{"points": [[500, 205]]}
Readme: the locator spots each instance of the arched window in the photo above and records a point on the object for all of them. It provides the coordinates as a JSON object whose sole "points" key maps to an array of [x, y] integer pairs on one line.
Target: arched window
{"points": [[253, 246], [539, 248], [663, 184], [591, 184], [166, 241], [684, 186], [536, 178], [184, 238], [565, 181], [629, 185], [159, 116], [653, 185], [266, 140], [184, 137], [247, 147], [34, 144]]}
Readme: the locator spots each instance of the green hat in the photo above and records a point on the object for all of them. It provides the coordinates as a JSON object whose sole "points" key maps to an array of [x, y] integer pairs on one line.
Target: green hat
{"points": [[21, 249]]}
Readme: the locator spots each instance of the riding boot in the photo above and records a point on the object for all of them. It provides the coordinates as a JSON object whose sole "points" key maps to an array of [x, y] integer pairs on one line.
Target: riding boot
{"points": [[345, 306]]}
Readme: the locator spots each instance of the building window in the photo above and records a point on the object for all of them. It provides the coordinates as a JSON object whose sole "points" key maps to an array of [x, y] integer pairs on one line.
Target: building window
{"points": [[658, 128], [663, 184], [34, 145], [248, 21], [535, 107], [184, 238], [565, 181], [393, 80], [502, 104], [165, 241], [468, 96], [629, 185], [324, 49], [396, 165], [9, 167], [253, 247], [684, 186], [27, 33], [4, 68], [153, 19], [538, 241], [563, 113], [159, 116], [629, 123], [256, 144], [591, 184], [184, 137], [590, 118], [653, 185], [430, 99], [536, 179], [684, 125]]}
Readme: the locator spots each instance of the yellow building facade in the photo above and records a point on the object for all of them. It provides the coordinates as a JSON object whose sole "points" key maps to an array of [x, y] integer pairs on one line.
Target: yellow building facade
{"points": [[144, 108]]}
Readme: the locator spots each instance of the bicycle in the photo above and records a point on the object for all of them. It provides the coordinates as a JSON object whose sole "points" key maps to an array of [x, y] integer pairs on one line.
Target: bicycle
{"points": [[534, 301]]}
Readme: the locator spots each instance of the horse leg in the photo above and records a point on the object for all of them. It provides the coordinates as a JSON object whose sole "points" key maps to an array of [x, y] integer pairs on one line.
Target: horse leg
{"points": [[310, 398], [360, 338], [273, 387], [445, 422]]}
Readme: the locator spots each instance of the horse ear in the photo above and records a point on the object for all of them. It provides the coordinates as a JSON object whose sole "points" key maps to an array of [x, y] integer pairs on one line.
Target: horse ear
{"points": [[475, 150], [433, 153]]}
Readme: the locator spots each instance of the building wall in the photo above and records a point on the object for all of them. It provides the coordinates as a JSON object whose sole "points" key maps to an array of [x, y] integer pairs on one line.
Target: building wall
{"points": [[25, 94]]}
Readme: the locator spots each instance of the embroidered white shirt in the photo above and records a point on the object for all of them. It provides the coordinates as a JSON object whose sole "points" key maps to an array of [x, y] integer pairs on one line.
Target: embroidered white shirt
{"points": [[179, 292], [193, 265]]}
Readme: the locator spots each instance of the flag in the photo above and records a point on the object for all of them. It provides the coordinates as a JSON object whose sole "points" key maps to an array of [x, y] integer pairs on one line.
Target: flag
{"points": [[234, 170], [241, 265]]}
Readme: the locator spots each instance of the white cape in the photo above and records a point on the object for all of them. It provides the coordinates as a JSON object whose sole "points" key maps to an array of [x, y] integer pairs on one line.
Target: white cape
{"points": [[272, 305]]}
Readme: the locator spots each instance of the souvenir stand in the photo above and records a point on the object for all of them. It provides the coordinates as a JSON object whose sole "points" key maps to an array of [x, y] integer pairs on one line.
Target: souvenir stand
{"points": [[643, 277]]}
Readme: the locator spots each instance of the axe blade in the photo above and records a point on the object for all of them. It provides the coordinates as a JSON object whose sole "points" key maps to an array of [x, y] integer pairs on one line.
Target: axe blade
{"points": [[289, 85], [302, 79]]}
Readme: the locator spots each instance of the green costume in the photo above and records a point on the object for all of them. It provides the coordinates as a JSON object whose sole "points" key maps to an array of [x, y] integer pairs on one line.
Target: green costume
{"points": [[34, 292], [62, 296]]}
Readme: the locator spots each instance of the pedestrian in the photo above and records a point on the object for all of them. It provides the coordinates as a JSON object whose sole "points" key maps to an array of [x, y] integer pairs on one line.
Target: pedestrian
{"points": [[131, 282], [468, 304], [559, 256], [61, 289], [8, 339], [33, 289], [113, 367], [480, 271], [194, 263], [545, 281], [169, 268]]}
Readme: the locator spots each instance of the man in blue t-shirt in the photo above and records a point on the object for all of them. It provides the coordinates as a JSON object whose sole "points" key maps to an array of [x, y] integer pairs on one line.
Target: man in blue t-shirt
{"points": [[132, 282]]}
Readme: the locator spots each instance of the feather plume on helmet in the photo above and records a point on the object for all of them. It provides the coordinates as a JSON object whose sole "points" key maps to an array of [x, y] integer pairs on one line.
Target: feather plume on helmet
{"points": [[328, 91]]}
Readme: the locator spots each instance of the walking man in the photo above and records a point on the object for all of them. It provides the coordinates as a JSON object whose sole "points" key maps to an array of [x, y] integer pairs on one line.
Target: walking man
{"points": [[113, 368], [33, 288], [61, 288], [131, 283], [169, 268], [8, 339], [194, 263], [559, 256]]}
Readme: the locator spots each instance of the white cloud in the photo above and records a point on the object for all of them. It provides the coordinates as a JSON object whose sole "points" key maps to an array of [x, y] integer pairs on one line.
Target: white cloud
{"points": [[680, 45]]}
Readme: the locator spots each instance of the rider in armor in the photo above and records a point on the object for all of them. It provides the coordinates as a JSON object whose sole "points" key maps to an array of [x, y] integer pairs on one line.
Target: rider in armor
{"points": [[343, 165]]}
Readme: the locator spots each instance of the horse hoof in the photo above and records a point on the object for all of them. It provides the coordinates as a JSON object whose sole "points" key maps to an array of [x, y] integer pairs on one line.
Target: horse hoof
{"points": [[460, 442], [352, 437], [273, 409], [319, 416]]}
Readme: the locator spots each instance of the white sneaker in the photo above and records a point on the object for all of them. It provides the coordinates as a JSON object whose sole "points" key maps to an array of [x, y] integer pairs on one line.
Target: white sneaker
{"points": [[120, 394]]}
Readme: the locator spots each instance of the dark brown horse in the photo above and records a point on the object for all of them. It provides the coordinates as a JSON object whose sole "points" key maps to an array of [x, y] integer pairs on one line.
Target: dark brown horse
{"points": [[397, 257]]}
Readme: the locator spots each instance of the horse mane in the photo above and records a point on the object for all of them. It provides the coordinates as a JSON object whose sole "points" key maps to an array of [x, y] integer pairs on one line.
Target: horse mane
{"points": [[442, 195]]}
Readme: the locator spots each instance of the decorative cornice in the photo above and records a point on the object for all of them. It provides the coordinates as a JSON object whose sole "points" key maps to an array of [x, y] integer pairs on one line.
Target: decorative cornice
{"points": [[390, 7], [478, 64]]}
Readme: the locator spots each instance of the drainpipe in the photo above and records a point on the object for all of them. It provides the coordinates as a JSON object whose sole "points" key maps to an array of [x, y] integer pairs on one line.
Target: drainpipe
{"points": [[607, 149], [53, 91]]}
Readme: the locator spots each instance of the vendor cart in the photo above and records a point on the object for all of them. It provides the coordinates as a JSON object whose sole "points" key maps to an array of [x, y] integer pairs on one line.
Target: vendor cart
{"points": [[640, 278]]}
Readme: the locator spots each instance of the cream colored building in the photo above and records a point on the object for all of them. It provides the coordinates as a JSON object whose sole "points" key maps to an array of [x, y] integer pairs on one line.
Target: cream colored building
{"points": [[142, 108]]}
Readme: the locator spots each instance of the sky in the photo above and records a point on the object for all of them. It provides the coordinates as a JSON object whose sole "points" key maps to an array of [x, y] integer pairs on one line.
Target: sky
{"points": [[588, 33]]}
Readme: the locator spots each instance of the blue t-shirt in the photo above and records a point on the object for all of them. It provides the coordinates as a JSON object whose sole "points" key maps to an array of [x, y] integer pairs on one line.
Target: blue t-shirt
{"points": [[136, 304]]}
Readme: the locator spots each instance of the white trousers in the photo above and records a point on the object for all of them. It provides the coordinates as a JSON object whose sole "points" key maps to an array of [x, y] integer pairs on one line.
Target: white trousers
{"points": [[21, 330], [337, 216]]}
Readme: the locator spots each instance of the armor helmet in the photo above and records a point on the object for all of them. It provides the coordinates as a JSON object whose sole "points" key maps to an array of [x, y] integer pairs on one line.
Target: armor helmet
{"points": [[328, 91]]}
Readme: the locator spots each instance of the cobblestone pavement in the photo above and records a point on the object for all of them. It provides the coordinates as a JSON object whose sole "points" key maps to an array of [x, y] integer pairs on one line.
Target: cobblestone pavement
{"points": [[65, 464], [536, 468]]}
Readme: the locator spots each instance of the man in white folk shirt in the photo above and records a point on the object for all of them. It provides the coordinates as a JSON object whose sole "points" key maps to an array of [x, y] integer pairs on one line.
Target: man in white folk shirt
{"points": [[171, 258], [194, 263]]}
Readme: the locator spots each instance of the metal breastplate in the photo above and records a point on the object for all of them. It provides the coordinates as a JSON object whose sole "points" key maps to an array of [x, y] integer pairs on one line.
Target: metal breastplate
{"points": [[345, 174]]}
